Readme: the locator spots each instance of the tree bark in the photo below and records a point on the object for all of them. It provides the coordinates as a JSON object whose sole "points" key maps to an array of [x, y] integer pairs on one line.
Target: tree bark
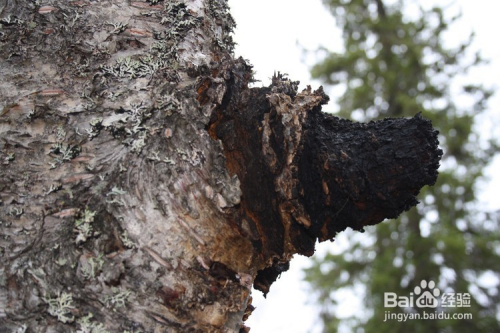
{"points": [[146, 187]]}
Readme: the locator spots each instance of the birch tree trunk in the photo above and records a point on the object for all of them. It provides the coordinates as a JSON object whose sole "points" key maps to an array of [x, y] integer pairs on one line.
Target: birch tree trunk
{"points": [[145, 188]]}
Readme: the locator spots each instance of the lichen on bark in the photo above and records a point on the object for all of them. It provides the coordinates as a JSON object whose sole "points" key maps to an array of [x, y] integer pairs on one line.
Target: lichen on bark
{"points": [[144, 185], [112, 188]]}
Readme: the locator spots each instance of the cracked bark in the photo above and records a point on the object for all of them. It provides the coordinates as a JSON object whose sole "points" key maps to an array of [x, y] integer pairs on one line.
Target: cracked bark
{"points": [[146, 187]]}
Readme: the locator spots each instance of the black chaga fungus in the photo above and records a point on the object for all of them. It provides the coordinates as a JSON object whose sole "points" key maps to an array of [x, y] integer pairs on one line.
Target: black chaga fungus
{"points": [[358, 174], [306, 175]]}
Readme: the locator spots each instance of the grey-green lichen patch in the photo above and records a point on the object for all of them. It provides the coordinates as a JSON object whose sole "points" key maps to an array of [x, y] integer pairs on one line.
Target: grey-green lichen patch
{"points": [[118, 27], [220, 10], [116, 191], [138, 143], [60, 133], [95, 127], [88, 326], [61, 261], [92, 267], [70, 19], [178, 18], [168, 103], [53, 188], [117, 299], [11, 20], [15, 212], [10, 156], [132, 68], [162, 53], [127, 242], [127, 125], [83, 226], [114, 196], [61, 307], [63, 153]]}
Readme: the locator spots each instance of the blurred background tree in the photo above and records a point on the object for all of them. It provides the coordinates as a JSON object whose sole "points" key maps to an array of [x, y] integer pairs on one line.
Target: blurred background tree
{"points": [[395, 64]]}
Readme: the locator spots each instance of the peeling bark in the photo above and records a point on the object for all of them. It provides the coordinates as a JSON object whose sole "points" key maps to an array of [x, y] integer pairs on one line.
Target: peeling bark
{"points": [[145, 187]]}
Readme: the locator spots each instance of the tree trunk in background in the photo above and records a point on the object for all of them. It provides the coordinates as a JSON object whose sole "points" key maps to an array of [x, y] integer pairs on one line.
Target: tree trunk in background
{"points": [[145, 187]]}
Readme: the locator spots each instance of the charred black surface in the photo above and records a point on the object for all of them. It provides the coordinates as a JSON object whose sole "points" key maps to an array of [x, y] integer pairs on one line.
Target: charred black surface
{"points": [[268, 275], [355, 174], [305, 175]]}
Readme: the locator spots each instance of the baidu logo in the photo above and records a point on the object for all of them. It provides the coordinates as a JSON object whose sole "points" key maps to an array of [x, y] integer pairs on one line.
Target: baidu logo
{"points": [[426, 295], [428, 298]]}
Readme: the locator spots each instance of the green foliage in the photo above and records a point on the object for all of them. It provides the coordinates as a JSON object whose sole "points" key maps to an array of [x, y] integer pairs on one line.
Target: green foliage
{"points": [[396, 65]]}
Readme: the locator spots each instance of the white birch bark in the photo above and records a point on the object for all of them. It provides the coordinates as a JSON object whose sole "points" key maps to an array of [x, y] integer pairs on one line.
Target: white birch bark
{"points": [[112, 190]]}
